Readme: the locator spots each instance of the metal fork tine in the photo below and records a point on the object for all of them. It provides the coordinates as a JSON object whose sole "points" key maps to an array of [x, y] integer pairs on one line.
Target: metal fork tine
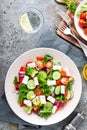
{"points": [[64, 15], [62, 27]]}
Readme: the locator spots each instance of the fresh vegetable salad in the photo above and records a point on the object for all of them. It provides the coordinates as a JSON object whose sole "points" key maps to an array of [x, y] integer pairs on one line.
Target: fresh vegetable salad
{"points": [[43, 86], [82, 14]]}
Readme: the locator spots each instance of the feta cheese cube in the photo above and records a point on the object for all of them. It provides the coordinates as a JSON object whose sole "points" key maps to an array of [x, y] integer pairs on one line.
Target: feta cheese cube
{"points": [[62, 89], [42, 99], [32, 65], [51, 82], [25, 79], [57, 67], [51, 99], [27, 102], [54, 109], [36, 81]]}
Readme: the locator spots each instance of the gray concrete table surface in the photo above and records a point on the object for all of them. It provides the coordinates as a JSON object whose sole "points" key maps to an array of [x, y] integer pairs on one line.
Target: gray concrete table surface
{"points": [[14, 41]]}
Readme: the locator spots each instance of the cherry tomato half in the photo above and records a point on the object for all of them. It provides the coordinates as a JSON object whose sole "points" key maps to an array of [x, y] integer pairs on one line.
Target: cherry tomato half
{"points": [[85, 31], [49, 64], [38, 91], [64, 80], [40, 57], [22, 68], [63, 73], [83, 15], [39, 64], [81, 23]]}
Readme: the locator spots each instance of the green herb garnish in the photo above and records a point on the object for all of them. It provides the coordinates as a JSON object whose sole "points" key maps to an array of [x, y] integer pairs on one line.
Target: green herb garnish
{"points": [[15, 80], [45, 88], [69, 86], [46, 110], [71, 4], [60, 98], [22, 93], [47, 58], [31, 71]]}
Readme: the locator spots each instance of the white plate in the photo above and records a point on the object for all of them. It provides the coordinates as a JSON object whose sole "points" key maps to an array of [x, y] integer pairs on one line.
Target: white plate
{"points": [[76, 19], [12, 97]]}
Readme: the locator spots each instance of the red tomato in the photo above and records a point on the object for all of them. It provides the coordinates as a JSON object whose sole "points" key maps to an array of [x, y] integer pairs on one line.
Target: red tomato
{"points": [[58, 82], [39, 64], [58, 108], [64, 80], [28, 63], [49, 64], [63, 73], [22, 104], [20, 79], [16, 86], [38, 91], [66, 93], [85, 31], [23, 68], [81, 23], [40, 57], [83, 15]]}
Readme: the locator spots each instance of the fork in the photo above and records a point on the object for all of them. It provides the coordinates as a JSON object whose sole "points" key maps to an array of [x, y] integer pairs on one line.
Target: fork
{"points": [[67, 31], [65, 16]]}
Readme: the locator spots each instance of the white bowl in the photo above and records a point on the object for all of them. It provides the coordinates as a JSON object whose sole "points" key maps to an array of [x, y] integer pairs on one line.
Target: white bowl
{"points": [[76, 19], [12, 97]]}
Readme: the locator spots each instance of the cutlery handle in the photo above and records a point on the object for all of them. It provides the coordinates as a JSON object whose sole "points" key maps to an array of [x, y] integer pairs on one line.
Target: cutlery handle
{"points": [[75, 122]]}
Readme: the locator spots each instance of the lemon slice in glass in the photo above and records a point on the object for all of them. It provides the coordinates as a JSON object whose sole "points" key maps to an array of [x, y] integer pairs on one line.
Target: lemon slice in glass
{"points": [[25, 23], [84, 71]]}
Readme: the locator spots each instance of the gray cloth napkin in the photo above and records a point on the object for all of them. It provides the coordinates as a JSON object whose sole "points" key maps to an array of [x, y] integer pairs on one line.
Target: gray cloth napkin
{"points": [[51, 40]]}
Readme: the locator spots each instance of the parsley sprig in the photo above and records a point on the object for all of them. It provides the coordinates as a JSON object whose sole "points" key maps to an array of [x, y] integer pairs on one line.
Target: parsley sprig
{"points": [[71, 4]]}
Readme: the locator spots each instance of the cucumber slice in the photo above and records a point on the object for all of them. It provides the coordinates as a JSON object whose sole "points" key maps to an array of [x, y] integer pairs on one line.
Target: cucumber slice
{"points": [[30, 95], [52, 88], [31, 84], [28, 109], [71, 94], [57, 90], [48, 106], [42, 75], [56, 75]]}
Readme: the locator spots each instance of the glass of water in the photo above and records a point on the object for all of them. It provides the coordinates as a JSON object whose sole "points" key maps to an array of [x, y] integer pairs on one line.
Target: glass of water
{"points": [[31, 20]]}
